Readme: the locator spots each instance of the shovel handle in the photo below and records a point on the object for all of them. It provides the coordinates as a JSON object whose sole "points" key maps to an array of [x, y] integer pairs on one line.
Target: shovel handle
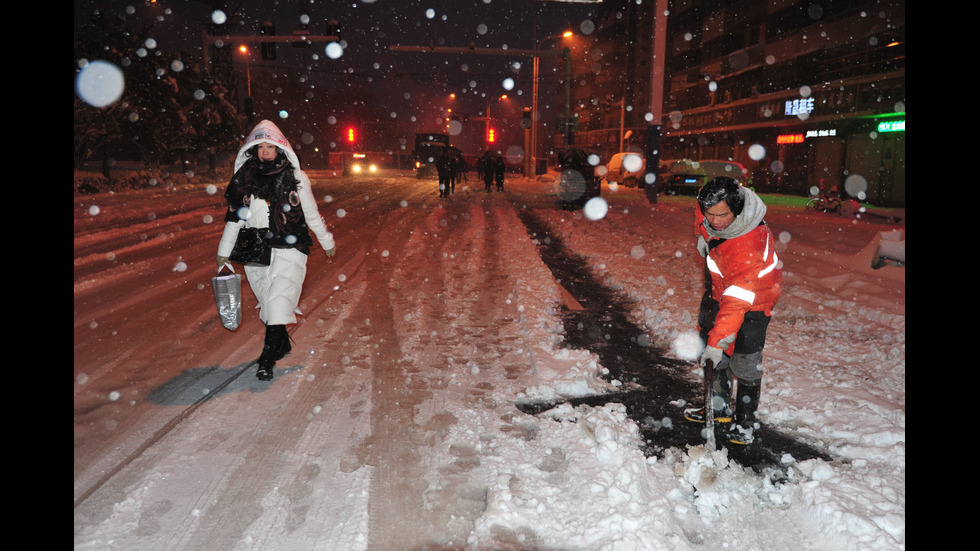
{"points": [[709, 410]]}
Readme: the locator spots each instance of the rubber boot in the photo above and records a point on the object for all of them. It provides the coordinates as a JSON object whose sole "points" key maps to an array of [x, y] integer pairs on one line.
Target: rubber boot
{"points": [[744, 423], [722, 391]]}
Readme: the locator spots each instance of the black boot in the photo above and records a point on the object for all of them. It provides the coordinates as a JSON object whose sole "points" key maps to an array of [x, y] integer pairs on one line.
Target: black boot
{"points": [[722, 392], [264, 372], [278, 342], [744, 423], [275, 348]]}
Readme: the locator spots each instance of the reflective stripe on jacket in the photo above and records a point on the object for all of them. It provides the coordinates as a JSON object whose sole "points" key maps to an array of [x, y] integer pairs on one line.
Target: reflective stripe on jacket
{"points": [[745, 276]]}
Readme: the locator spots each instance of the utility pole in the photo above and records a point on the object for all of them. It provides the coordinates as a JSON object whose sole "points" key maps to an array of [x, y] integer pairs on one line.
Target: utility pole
{"points": [[263, 41], [655, 129], [622, 122], [564, 53]]}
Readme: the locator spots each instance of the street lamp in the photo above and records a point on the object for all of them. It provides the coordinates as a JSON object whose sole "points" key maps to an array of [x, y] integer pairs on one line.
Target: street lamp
{"points": [[248, 71], [530, 165]]}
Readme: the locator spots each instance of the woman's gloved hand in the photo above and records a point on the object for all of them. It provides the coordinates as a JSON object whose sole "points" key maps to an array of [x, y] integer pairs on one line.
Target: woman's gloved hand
{"points": [[331, 251], [222, 260]]}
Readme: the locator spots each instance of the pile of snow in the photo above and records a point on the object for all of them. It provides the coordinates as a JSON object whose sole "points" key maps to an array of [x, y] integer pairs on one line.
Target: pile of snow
{"points": [[572, 477], [835, 374]]}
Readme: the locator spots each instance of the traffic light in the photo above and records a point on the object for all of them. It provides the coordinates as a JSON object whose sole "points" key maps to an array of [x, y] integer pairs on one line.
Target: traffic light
{"points": [[491, 135], [333, 28], [526, 120], [350, 135], [268, 48]]}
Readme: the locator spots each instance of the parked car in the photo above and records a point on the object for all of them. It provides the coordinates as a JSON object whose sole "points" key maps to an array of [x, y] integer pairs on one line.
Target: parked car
{"points": [[680, 176], [735, 171], [626, 168], [359, 163], [686, 177]]}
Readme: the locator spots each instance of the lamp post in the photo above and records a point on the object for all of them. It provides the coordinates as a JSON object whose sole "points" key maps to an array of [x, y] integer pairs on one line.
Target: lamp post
{"points": [[622, 122], [534, 53], [248, 70], [655, 129], [530, 162]]}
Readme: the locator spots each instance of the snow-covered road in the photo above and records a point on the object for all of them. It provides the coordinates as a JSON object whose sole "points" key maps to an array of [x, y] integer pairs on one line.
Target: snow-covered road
{"points": [[393, 423]]}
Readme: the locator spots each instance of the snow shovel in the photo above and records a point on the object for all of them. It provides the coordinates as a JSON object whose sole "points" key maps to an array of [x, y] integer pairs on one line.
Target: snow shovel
{"points": [[709, 409]]}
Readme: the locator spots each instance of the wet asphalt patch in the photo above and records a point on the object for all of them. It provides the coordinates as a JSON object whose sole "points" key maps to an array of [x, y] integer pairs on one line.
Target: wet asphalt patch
{"points": [[657, 388]]}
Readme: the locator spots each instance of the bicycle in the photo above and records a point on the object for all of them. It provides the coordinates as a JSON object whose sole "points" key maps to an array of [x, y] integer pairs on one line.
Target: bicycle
{"points": [[825, 201]]}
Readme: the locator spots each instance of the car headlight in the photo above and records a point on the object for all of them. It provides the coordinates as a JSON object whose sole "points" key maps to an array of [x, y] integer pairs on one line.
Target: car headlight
{"points": [[373, 168], [357, 168]]}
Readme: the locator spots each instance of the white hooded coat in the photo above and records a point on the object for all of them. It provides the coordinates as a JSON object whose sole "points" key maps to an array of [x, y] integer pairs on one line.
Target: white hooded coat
{"points": [[277, 287]]}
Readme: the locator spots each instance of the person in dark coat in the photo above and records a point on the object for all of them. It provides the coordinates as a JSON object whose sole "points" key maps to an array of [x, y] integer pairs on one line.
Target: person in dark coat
{"points": [[445, 169], [453, 167], [488, 168], [461, 169], [498, 173]]}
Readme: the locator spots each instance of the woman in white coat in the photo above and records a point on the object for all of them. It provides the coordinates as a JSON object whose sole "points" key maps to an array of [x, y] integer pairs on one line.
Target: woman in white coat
{"points": [[269, 190]]}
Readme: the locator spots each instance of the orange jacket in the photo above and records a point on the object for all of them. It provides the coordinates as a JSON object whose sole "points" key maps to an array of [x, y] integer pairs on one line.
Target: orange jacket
{"points": [[746, 275]]}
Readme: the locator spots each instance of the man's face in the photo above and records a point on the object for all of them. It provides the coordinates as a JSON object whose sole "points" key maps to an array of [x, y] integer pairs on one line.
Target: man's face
{"points": [[720, 216]]}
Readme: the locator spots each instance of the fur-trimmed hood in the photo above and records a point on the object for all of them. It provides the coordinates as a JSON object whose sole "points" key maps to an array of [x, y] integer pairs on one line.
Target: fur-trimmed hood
{"points": [[267, 132]]}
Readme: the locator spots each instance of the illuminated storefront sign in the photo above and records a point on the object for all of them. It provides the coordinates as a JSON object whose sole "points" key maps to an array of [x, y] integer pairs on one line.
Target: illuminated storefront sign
{"points": [[892, 126], [800, 138], [821, 133], [798, 107]]}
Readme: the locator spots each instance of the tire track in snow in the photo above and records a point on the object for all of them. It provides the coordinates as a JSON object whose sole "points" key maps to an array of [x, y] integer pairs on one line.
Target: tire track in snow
{"points": [[446, 300]]}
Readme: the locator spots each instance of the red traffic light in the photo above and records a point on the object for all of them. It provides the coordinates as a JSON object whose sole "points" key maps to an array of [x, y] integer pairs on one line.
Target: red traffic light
{"points": [[491, 135], [350, 134]]}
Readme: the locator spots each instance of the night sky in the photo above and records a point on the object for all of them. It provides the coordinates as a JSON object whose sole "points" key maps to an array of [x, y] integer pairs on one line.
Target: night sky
{"points": [[368, 84]]}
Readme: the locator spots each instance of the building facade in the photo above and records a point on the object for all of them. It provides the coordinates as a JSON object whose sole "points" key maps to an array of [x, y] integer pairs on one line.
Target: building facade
{"points": [[817, 85]]}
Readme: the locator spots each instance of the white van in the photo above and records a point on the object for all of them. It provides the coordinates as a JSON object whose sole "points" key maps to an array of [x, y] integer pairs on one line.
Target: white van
{"points": [[626, 168]]}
